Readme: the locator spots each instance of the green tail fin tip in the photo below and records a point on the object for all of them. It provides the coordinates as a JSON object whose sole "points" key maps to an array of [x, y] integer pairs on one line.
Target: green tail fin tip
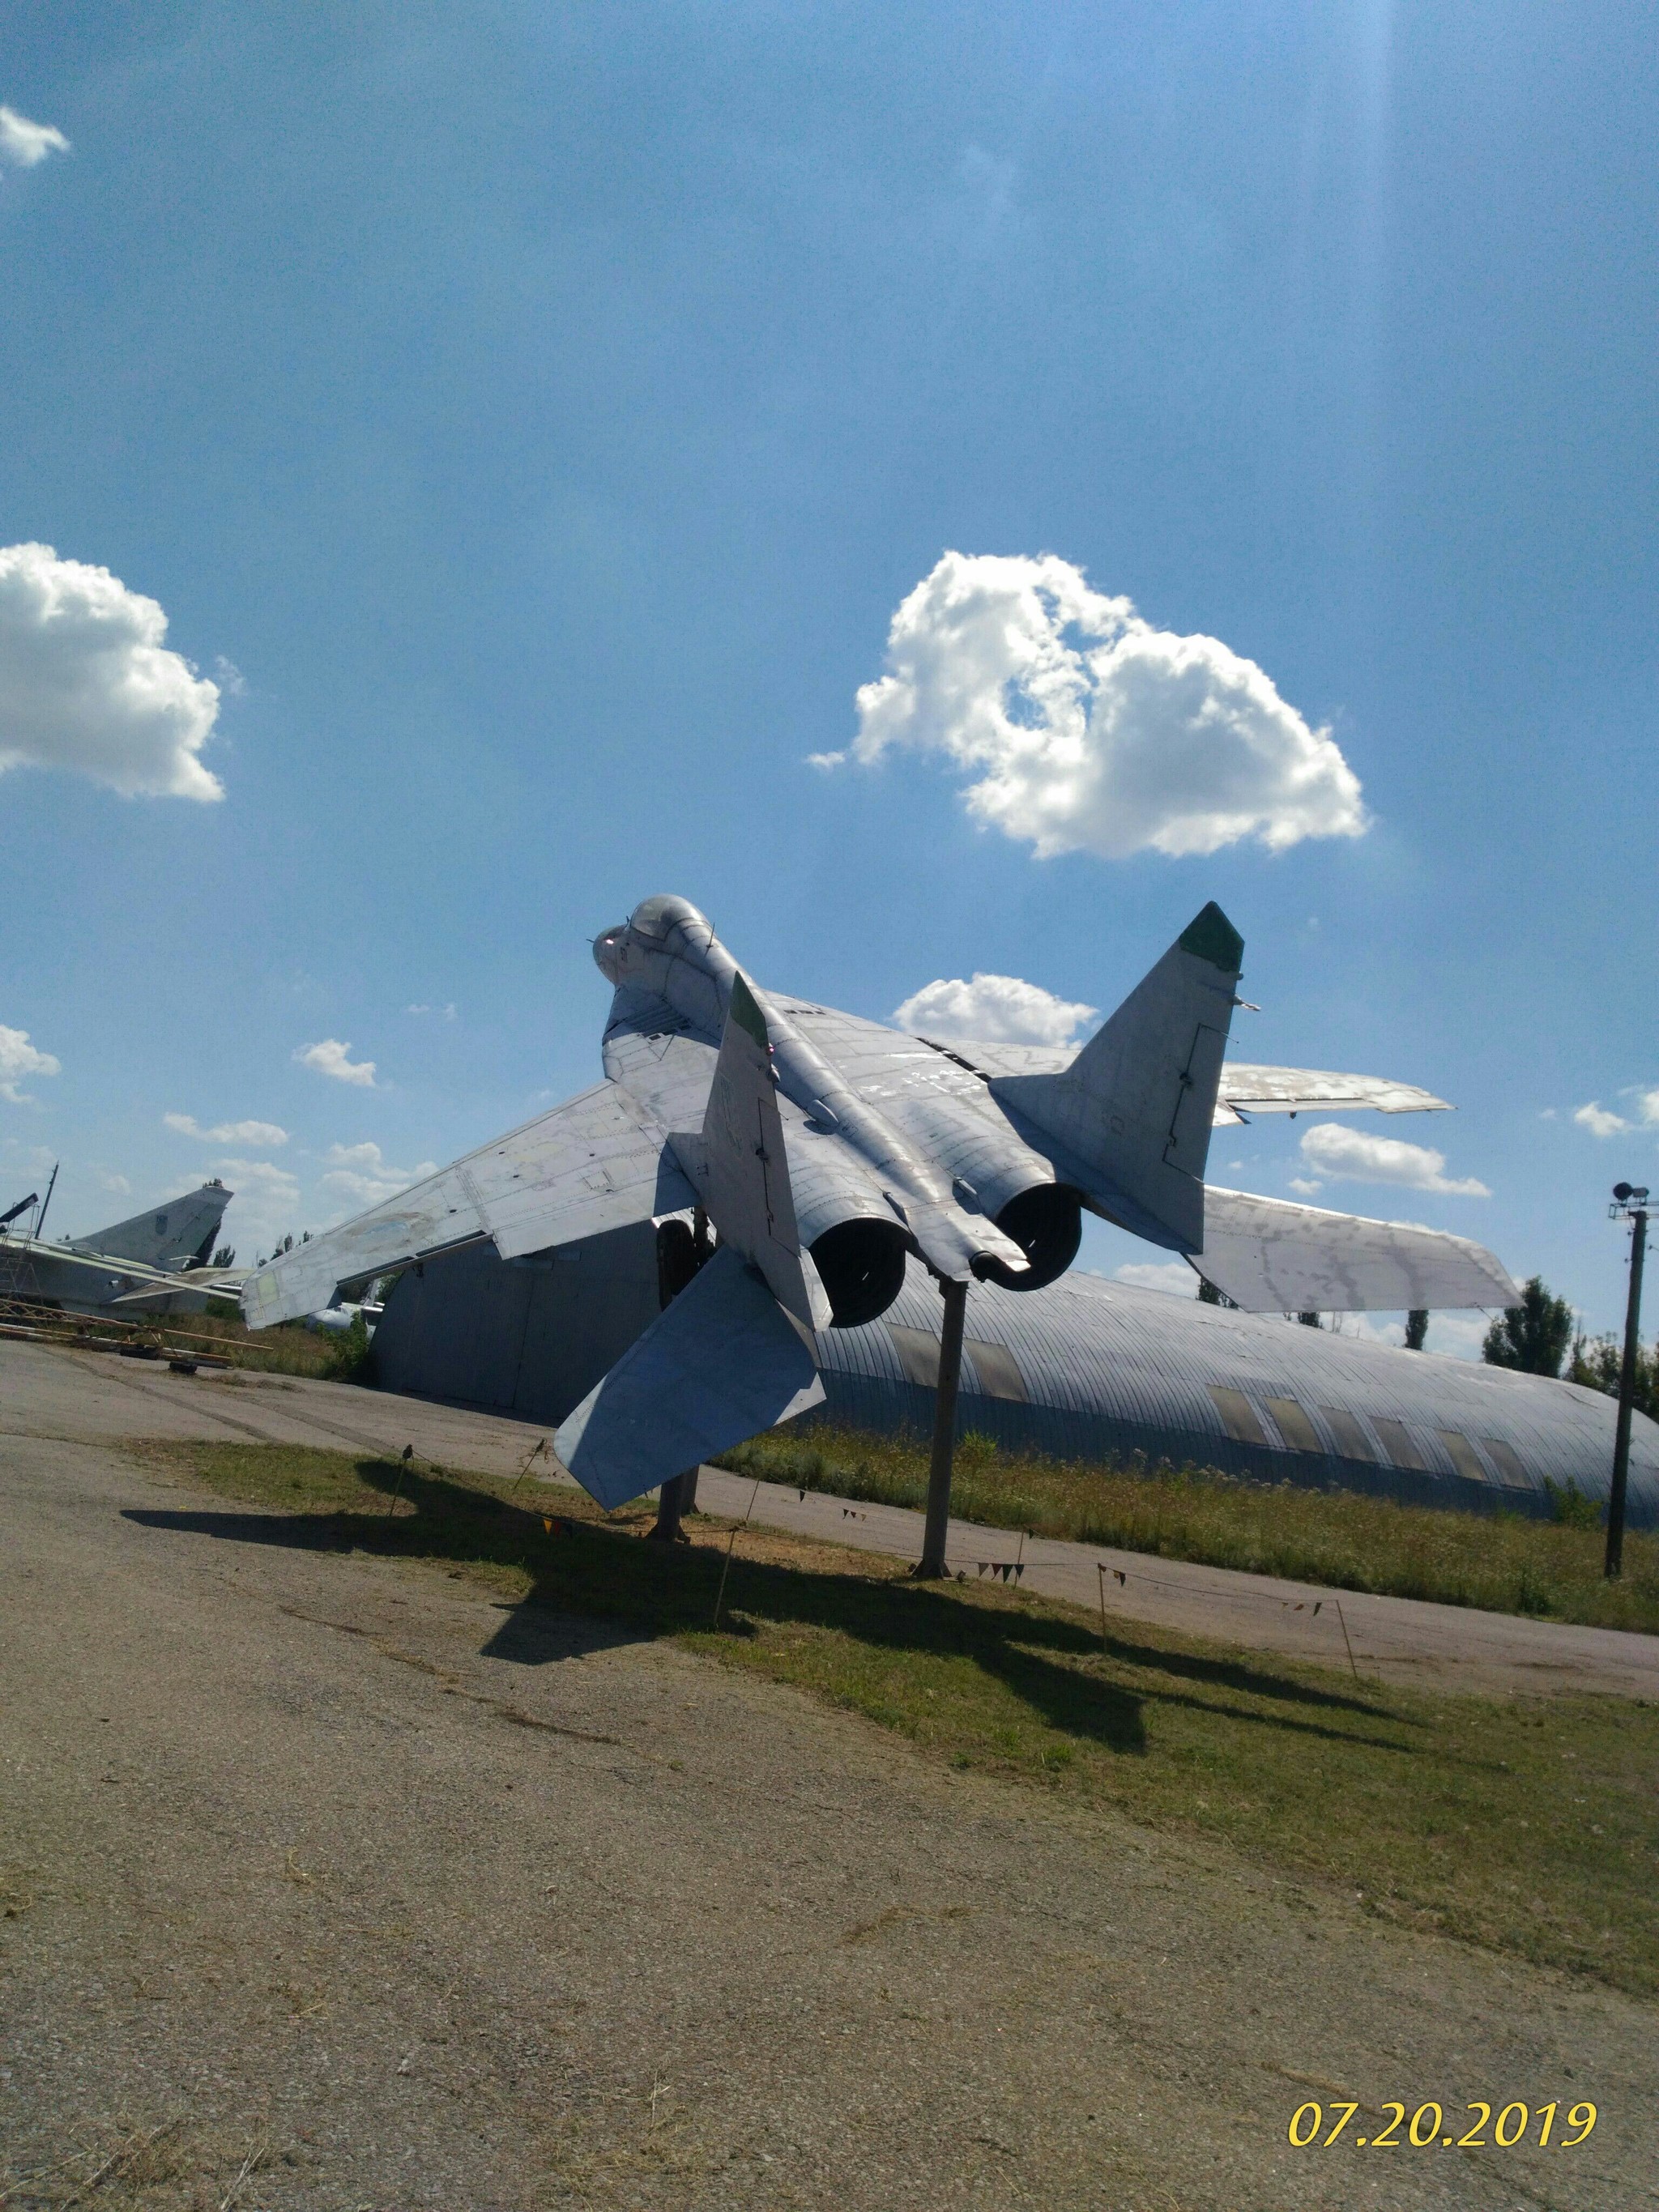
{"points": [[1212, 937]]}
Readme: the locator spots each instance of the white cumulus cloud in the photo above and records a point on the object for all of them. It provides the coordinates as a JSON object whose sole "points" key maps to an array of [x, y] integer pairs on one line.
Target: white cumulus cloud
{"points": [[19, 1059], [266, 1134], [265, 1207], [264, 1172], [331, 1057], [1174, 1276], [1001, 1009], [1599, 1121], [363, 1173], [86, 681], [1087, 730], [23, 144], [1341, 1154]]}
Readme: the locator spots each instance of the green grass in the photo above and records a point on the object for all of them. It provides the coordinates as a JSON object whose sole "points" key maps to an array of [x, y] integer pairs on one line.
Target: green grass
{"points": [[1501, 1562], [1531, 1827]]}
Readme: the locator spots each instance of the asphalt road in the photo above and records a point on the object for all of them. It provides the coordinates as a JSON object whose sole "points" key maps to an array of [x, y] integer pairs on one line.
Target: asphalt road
{"points": [[368, 1892]]}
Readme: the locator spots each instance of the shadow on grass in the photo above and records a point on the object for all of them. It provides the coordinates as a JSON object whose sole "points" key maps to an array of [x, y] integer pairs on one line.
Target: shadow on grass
{"points": [[1047, 1660]]}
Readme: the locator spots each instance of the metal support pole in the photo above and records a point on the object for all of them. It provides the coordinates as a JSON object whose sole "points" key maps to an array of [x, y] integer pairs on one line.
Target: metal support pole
{"points": [[932, 1566], [1638, 1245], [677, 1497]]}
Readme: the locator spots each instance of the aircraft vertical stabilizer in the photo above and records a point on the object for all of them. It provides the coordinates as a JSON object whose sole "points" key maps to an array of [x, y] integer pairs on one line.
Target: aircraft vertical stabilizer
{"points": [[1136, 1106], [740, 1170], [180, 1229]]}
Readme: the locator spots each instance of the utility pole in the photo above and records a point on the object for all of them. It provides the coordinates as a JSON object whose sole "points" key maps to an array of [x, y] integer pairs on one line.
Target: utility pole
{"points": [[931, 1567], [40, 1218], [1630, 1203]]}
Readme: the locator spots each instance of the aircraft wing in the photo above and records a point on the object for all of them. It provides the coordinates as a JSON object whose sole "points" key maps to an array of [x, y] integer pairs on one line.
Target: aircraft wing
{"points": [[1006, 1058], [1269, 1256], [595, 1162], [1298, 1089], [156, 1289], [1245, 1090], [101, 1281]]}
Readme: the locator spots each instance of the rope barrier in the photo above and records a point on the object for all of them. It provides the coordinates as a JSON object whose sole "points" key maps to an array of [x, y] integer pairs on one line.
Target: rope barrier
{"points": [[1312, 1606]]}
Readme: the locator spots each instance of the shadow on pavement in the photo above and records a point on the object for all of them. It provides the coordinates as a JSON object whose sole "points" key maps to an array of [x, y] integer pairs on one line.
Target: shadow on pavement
{"points": [[583, 1570]]}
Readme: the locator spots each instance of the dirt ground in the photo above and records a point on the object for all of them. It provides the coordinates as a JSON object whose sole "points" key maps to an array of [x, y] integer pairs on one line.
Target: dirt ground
{"points": [[327, 1882]]}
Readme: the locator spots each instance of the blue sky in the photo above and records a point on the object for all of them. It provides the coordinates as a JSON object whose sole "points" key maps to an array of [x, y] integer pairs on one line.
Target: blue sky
{"points": [[533, 419]]}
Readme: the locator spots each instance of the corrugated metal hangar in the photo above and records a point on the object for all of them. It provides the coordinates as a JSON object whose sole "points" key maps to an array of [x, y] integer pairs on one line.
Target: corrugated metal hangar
{"points": [[1083, 1369]]}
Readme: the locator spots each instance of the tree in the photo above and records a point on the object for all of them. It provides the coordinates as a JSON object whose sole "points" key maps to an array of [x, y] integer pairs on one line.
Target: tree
{"points": [[1308, 1320], [1533, 1336], [1416, 1327], [1209, 1296], [1597, 1362]]}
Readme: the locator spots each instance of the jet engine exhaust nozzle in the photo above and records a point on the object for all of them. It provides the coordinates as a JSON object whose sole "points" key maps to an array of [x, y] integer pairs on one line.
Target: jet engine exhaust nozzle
{"points": [[1045, 1222], [861, 1264]]}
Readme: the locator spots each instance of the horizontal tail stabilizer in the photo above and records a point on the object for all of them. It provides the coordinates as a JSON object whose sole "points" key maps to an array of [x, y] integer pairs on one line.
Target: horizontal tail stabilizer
{"points": [[1272, 1257], [719, 1363], [1136, 1106]]}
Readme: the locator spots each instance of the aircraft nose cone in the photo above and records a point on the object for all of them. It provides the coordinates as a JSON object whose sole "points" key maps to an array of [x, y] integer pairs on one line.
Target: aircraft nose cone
{"points": [[605, 948]]}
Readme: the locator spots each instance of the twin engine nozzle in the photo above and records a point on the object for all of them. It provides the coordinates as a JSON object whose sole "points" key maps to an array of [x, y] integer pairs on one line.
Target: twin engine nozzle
{"points": [[885, 1196]]}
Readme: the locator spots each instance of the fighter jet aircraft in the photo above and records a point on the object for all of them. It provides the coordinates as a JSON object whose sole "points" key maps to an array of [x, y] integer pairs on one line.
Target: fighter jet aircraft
{"points": [[822, 1149], [155, 1260]]}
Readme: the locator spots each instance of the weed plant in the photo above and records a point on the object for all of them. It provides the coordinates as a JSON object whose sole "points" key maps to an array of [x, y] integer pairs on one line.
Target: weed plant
{"points": [[1500, 1562], [292, 1349]]}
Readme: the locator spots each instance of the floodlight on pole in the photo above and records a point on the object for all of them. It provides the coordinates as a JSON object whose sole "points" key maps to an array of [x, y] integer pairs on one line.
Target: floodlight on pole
{"points": [[1630, 1203]]}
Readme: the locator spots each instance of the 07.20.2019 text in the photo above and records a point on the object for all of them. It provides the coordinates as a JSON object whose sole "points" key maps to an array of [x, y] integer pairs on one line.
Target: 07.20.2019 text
{"points": [[1428, 2124]]}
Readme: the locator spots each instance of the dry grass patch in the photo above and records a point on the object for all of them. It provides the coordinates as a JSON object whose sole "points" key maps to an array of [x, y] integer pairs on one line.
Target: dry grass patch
{"points": [[1528, 1826], [218, 1333]]}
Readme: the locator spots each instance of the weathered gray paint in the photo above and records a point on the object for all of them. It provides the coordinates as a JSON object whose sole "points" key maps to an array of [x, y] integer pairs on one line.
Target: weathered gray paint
{"points": [[1106, 1370]]}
